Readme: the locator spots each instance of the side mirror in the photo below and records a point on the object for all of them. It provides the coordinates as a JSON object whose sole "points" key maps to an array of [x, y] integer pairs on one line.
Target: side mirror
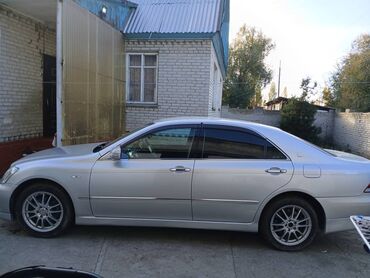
{"points": [[116, 153]]}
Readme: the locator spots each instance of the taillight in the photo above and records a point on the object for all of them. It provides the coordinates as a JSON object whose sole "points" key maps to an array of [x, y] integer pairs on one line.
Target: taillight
{"points": [[367, 189]]}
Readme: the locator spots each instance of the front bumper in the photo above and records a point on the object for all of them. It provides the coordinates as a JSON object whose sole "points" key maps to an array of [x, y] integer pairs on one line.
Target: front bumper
{"points": [[5, 216], [5, 194], [339, 209]]}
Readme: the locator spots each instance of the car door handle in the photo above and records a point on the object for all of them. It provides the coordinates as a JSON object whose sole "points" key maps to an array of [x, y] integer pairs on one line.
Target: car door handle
{"points": [[275, 170], [180, 169]]}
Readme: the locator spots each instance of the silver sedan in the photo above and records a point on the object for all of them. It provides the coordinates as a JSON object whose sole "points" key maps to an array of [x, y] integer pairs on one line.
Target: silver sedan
{"points": [[191, 173]]}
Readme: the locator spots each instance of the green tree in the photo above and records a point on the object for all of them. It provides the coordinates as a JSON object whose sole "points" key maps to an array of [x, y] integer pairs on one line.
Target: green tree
{"points": [[308, 89], [247, 72], [272, 92], [297, 117], [350, 83], [327, 96]]}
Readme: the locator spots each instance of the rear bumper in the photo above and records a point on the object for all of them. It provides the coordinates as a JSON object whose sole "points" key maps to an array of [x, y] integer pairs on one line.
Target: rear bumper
{"points": [[339, 209], [338, 225]]}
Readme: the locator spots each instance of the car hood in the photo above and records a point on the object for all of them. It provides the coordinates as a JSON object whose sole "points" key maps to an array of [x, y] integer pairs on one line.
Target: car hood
{"points": [[347, 156], [66, 151]]}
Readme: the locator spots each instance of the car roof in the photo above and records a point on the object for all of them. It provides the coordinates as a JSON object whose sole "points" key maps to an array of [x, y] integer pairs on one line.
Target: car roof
{"points": [[213, 120]]}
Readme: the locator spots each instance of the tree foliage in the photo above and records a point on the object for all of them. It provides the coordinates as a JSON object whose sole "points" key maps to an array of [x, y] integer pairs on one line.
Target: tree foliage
{"points": [[247, 72], [350, 83], [272, 92], [327, 96], [308, 89], [298, 116]]}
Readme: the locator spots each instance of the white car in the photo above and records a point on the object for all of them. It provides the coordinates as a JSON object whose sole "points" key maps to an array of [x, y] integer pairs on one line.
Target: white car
{"points": [[191, 173]]}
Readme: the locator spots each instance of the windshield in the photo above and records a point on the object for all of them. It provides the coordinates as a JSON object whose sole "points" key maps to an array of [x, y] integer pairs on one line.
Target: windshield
{"points": [[109, 143]]}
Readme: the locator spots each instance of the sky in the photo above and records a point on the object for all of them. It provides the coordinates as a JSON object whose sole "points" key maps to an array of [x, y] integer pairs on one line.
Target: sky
{"points": [[311, 36]]}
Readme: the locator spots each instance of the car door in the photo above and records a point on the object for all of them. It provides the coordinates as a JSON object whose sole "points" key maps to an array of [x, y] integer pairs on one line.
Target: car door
{"points": [[152, 180], [238, 170]]}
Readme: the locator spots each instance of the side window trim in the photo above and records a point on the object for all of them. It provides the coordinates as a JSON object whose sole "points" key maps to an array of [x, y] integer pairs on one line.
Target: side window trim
{"points": [[241, 129]]}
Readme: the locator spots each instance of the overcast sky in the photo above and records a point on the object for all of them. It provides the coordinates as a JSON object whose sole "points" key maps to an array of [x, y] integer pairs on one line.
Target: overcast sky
{"points": [[311, 36]]}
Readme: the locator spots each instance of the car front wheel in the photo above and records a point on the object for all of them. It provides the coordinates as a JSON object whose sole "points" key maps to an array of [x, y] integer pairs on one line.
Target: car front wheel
{"points": [[290, 224], [43, 210]]}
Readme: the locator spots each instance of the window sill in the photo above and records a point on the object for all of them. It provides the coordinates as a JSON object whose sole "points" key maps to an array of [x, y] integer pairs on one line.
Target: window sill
{"points": [[143, 104]]}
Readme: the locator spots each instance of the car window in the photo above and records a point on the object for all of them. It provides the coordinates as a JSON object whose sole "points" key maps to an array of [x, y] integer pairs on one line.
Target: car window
{"points": [[173, 143], [272, 152], [235, 144]]}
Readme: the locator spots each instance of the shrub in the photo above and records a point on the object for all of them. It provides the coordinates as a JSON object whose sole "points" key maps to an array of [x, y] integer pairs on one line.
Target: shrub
{"points": [[297, 117]]}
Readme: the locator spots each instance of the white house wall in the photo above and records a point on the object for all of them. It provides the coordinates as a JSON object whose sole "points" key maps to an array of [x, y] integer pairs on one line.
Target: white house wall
{"points": [[183, 80], [215, 88], [23, 41]]}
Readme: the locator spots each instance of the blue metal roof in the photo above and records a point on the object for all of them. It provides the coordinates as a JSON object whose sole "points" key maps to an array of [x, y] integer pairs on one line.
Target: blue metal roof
{"points": [[174, 16]]}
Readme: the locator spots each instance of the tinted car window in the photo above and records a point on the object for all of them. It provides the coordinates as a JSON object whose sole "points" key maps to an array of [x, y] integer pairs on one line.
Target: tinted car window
{"points": [[272, 152], [222, 144], [172, 143]]}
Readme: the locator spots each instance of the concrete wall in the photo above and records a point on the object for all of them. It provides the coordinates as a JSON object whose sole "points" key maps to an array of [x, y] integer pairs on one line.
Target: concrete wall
{"points": [[23, 42], [348, 131], [261, 116], [352, 131], [183, 80], [324, 120]]}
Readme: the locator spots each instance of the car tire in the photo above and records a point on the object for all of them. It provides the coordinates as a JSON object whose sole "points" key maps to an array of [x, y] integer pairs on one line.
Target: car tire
{"points": [[44, 210], [289, 224]]}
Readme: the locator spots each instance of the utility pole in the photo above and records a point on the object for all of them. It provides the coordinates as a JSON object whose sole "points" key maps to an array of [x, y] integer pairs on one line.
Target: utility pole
{"points": [[279, 79]]}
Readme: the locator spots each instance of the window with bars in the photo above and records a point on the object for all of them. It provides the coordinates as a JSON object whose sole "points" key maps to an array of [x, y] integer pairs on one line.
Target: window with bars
{"points": [[142, 78]]}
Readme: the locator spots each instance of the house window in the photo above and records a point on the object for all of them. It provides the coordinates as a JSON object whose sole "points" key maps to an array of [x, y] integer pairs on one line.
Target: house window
{"points": [[142, 78]]}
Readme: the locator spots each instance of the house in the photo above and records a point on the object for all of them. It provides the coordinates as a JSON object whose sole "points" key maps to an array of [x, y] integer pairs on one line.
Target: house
{"points": [[189, 43], [279, 102], [91, 70]]}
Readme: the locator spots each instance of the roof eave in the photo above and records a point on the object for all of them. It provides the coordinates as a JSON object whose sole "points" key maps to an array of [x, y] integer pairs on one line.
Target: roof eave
{"points": [[168, 36]]}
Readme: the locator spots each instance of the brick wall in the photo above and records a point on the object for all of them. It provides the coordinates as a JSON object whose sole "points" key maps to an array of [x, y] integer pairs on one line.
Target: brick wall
{"points": [[352, 132], [183, 80], [23, 42]]}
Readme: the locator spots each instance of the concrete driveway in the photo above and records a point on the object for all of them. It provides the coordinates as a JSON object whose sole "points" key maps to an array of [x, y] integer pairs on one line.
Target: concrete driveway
{"points": [[152, 252]]}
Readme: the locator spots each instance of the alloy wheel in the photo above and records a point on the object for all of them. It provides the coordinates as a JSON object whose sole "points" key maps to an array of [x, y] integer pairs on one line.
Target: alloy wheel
{"points": [[42, 211], [290, 225]]}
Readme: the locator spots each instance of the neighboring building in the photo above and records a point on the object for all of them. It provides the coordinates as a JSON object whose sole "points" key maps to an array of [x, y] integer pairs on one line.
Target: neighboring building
{"points": [[276, 104], [89, 70], [279, 102]]}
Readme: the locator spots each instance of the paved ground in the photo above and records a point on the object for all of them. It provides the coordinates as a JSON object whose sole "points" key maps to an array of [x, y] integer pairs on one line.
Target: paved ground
{"points": [[151, 252]]}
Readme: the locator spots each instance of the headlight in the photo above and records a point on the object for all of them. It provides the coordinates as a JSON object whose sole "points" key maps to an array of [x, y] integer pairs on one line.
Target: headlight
{"points": [[8, 174]]}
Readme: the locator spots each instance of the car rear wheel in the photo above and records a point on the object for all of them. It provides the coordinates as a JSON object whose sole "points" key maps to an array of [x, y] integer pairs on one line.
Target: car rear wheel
{"points": [[44, 210], [290, 224]]}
